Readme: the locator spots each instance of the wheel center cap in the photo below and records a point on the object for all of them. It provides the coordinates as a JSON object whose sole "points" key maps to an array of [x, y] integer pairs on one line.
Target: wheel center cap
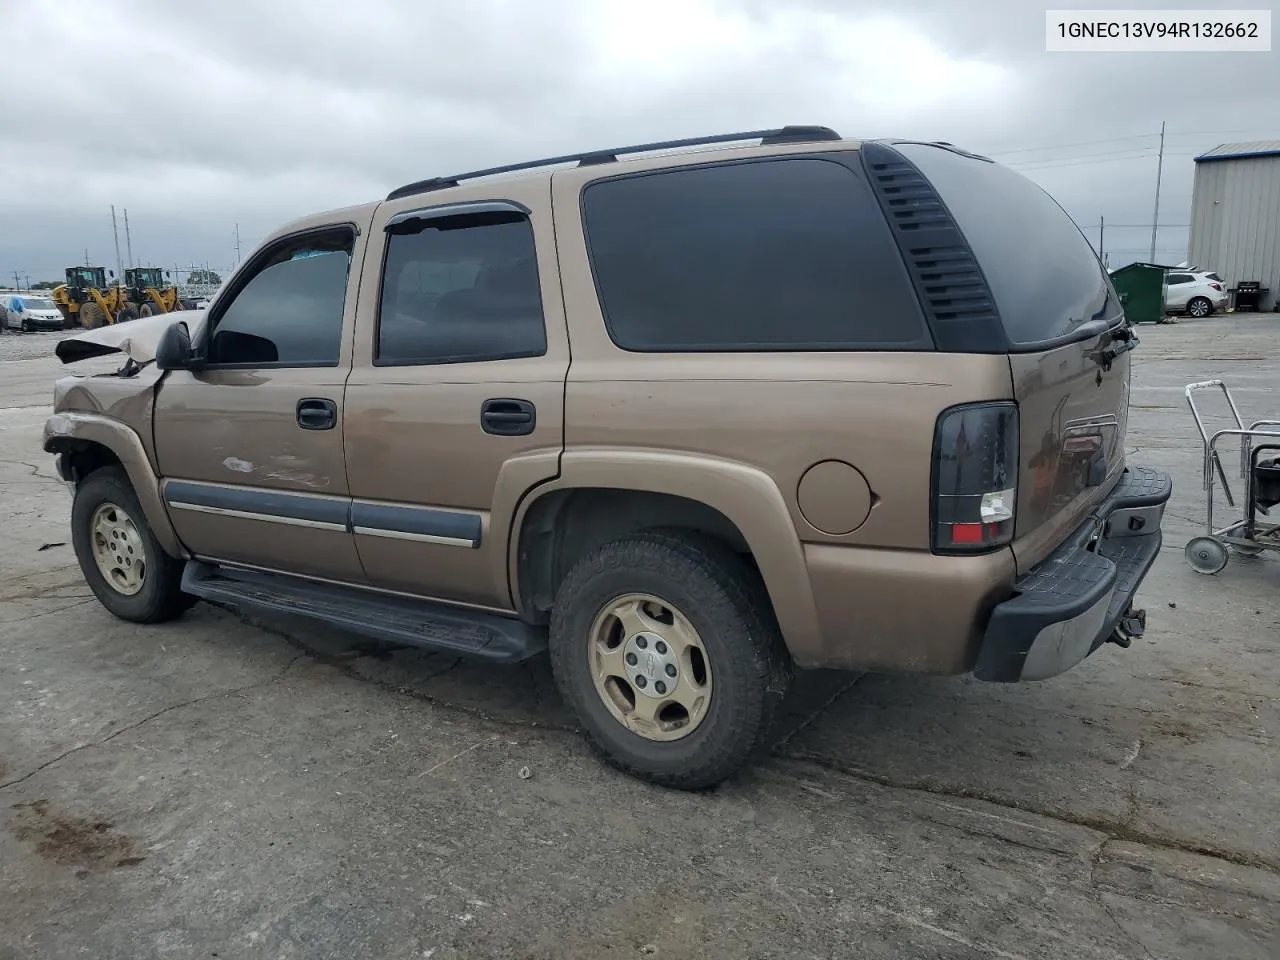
{"points": [[652, 667]]}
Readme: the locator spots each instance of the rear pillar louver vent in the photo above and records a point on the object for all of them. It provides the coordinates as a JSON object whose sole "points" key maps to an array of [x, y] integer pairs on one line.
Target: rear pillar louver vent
{"points": [[955, 296]]}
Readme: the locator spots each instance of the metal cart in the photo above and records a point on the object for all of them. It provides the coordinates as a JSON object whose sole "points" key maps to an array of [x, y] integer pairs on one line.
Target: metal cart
{"points": [[1251, 534]]}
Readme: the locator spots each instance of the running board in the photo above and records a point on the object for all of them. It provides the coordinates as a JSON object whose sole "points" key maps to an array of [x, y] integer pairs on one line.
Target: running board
{"points": [[394, 619]]}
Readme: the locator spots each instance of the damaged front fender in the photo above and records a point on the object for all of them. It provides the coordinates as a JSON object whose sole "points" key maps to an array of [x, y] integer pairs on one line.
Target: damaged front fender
{"points": [[137, 339]]}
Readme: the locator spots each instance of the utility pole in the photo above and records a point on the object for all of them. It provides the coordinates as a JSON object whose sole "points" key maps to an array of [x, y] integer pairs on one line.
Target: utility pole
{"points": [[1102, 227], [237, 246], [86, 256], [17, 285], [128, 241], [115, 233], [1155, 217]]}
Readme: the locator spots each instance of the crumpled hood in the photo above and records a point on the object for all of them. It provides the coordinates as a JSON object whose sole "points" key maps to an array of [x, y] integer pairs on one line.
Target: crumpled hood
{"points": [[136, 338]]}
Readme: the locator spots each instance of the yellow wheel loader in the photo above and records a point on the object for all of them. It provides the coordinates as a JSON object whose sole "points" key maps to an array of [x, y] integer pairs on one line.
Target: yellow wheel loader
{"points": [[86, 300], [147, 294]]}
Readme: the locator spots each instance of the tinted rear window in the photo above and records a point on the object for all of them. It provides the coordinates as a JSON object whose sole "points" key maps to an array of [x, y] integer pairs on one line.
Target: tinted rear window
{"points": [[1043, 274], [790, 254]]}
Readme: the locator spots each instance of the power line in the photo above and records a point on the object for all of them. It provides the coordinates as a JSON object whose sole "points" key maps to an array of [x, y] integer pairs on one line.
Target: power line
{"points": [[1083, 163], [1132, 152], [1065, 146]]}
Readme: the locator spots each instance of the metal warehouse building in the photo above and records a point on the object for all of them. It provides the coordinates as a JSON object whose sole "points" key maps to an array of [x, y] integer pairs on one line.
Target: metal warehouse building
{"points": [[1235, 214]]}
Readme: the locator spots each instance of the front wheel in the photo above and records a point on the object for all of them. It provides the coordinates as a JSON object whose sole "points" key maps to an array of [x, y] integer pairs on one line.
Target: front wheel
{"points": [[123, 563], [92, 316], [666, 648]]}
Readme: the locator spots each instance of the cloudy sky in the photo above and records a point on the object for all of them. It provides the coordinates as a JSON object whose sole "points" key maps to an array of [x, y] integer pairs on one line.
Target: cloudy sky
{"points": [[201, 116]]}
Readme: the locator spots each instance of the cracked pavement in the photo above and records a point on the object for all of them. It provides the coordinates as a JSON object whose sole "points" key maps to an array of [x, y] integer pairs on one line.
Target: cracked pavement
{"points": [[242, 787]]}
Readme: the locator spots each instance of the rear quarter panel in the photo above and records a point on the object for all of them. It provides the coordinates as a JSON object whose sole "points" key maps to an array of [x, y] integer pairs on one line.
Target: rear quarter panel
{"points": [[778, 415]]}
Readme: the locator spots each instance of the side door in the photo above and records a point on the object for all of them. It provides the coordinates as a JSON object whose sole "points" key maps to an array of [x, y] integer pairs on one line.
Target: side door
{"points": [[249, 443], [1177, 289], [455, 404]]}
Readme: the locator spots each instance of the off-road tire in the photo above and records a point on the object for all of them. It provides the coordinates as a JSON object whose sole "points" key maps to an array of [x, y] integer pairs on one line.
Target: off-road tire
{"points": [[92, 316], [725, 601], [127, 312], [161, 597]]}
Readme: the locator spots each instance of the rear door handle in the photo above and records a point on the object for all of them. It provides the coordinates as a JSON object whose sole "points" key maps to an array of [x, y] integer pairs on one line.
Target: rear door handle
{"points": [[316, 413], [508, 418]]}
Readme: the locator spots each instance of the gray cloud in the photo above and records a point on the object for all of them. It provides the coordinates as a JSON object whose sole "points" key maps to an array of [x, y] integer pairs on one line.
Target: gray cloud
{"points": [[197, 117]]}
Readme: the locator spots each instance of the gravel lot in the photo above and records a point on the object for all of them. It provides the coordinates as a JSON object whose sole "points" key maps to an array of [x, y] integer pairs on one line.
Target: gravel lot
{"points": [[215, 788]]}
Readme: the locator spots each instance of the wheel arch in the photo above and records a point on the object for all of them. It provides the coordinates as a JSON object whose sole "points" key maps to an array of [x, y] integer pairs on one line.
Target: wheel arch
{"points": [[84, 443], [604, 495]]}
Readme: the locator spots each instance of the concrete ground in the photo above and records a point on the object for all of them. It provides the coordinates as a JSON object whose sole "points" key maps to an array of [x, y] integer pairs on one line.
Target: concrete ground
{"points": [[212, 788]]}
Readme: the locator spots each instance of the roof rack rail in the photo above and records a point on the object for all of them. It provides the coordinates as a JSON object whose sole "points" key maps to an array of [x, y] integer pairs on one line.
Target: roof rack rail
{"points": [[789, 134]]}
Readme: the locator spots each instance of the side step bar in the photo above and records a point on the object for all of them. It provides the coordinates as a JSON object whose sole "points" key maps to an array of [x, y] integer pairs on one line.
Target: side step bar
{"points": [[394, 619]]}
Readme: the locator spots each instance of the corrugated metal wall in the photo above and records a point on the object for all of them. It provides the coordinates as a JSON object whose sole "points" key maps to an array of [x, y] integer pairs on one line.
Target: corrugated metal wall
{"points": [[1235, 221]]}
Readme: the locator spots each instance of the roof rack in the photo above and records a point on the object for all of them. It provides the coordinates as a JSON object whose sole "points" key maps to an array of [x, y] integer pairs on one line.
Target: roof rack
{"points": [[789, 134]]}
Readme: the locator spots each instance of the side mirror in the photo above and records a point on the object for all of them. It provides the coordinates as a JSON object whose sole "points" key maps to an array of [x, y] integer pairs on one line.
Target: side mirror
{"points": [[173, 352], [167, 275], [111, 274]]}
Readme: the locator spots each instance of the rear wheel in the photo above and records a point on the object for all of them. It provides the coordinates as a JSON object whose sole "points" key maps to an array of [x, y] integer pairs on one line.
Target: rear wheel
{"points": [[92, 316], [149, 310], [125, 567], [1199, 307], [1207, 555], [666, 648], [1246, 549]]}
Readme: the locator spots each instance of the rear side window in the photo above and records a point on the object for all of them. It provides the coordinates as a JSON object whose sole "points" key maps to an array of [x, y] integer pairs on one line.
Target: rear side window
{"points": [[1043, 274], [460, 289], [1175, 278], [779, 255]]}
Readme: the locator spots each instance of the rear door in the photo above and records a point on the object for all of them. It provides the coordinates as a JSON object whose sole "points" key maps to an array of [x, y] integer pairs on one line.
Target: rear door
{"points": [[1178, 288], [455, 405], [1059, 312]]}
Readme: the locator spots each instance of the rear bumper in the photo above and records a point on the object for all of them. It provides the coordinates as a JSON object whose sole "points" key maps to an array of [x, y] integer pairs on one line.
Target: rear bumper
{"points": [[1081, 595]]}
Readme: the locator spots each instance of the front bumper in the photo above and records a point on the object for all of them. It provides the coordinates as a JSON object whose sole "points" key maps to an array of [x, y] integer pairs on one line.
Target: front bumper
{"points": [[1081, 595]]}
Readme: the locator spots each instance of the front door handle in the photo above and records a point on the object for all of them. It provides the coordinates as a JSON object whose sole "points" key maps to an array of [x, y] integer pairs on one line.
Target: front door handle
{"points": [[316, 413], [508, 418]]}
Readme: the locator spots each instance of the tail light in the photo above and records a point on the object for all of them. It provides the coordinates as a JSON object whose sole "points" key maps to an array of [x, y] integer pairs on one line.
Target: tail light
{"points": [[1216, 286], [975, 477]]}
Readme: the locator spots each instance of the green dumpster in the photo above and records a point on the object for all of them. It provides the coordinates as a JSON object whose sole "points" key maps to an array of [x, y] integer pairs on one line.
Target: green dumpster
{"points": [[1141, 289]]}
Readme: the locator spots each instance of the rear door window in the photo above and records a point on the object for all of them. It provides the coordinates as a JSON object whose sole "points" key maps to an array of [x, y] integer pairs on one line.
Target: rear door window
{"points": [[1043, 274], [777, 255], [1176, 278], [460, 289]]}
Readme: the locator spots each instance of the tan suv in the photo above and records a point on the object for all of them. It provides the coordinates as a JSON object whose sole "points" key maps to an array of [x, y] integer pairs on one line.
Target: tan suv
{"points": [[685, 414]]}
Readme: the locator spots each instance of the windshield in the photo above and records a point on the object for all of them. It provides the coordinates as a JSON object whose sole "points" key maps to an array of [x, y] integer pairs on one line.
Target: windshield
{"points": [[37, 303]]}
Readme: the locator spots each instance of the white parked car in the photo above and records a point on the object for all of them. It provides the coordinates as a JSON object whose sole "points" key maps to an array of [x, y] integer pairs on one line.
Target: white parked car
{"points": [[1195, 293], [27, 312]]}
